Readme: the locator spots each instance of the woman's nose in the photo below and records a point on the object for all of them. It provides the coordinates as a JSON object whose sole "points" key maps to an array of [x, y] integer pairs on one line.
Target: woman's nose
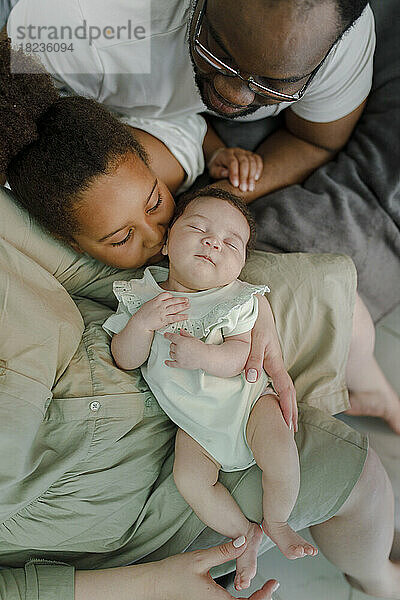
{"points": [[233, 90], [152, 235], [212, 242]]}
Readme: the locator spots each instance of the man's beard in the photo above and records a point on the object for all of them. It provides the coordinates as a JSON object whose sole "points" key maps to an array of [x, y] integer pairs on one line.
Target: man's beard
{"points": [[201, 83]]}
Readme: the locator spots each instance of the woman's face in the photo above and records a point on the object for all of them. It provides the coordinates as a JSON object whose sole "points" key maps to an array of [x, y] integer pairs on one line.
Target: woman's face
{"points": [[124, 216]]}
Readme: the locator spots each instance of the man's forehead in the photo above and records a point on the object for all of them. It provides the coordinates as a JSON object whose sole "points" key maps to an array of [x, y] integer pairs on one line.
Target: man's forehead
{"points": [[287, 36]]}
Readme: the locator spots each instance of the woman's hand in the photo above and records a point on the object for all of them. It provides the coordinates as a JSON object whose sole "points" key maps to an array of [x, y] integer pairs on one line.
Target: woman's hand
{"points": [[178, 577], [241, 167], [187, 575], [265, 353]]}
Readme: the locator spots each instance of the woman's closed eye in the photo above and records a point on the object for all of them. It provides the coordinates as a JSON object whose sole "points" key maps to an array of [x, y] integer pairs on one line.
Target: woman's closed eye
{"points": [[197, 228], [156, 205], [122, 242]]}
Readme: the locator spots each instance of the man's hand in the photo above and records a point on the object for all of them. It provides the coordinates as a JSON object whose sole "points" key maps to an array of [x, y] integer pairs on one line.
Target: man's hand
{"points": [[162, 310], [241, 167], [185, 351]]}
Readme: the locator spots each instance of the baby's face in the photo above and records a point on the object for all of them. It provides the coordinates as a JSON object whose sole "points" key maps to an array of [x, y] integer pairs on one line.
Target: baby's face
{"points": [[207, 244]]}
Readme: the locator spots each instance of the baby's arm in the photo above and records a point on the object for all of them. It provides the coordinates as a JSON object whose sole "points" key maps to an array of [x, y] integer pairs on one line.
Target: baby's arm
{"points": [[229, 358], [131, 347], [223, 360]]}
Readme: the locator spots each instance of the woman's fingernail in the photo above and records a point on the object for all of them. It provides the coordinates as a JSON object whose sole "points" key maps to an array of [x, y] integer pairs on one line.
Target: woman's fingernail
{"points": [[239, 541], [291, 426], [276, 586], [235, 182], [252, 375]]}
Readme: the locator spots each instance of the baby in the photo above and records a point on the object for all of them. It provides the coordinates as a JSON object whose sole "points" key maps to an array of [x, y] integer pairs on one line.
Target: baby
{"points": [[189, 328]]}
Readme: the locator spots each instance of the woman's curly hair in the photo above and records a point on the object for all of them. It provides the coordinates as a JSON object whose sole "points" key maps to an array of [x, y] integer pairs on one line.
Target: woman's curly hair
{"points": [[52, 147]]}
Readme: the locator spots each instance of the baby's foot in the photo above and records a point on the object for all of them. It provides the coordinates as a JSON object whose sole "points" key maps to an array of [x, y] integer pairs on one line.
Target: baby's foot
{"points": [[290, 543], [246, 564]]}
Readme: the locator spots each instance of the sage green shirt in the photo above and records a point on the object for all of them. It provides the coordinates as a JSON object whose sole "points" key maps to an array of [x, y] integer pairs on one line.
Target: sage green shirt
{"points": [[86, 453]]}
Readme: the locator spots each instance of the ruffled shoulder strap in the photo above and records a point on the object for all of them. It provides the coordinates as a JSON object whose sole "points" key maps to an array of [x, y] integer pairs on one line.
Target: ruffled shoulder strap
{"points": [[123, 290], [135, 292]]}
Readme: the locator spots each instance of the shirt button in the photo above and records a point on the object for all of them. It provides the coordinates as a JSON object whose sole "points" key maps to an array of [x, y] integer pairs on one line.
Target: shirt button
{"points": [[94, 405]]}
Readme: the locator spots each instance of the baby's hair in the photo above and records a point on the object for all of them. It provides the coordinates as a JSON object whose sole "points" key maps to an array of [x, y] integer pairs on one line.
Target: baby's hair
{"points": [[52, 148], [213, 192]]}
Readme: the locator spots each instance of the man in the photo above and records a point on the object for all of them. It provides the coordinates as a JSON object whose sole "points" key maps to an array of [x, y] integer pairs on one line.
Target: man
{"points": [[250, 60]]}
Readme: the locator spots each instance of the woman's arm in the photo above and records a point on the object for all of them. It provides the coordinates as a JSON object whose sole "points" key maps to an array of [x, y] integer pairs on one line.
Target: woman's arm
{"points": [[212, 142], [174, 578], [266, 353]]}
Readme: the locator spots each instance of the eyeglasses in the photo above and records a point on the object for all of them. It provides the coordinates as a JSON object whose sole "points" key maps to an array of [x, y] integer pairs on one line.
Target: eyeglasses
{"points": [[228, 71]]}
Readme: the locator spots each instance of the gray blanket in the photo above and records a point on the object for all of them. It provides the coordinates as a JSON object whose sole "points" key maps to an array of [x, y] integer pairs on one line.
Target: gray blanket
{"points": [[352, 204]]}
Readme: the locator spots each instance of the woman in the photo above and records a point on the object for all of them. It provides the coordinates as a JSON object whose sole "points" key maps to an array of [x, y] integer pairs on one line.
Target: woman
{"points": [[86, 490]]}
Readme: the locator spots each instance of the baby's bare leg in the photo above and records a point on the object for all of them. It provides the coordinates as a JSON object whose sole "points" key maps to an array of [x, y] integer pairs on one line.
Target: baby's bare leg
{"points": [[196, 477], [369, 390], [275, 451]]}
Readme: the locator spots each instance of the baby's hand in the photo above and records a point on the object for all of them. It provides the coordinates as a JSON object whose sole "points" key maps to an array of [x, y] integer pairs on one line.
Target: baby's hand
{"points": [[162, 310], [241, 167], [185, 350]]}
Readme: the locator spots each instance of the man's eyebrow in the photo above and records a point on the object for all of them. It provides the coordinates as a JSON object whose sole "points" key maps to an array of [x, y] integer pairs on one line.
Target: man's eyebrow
{"points": [[292, 79], [124, 226]]}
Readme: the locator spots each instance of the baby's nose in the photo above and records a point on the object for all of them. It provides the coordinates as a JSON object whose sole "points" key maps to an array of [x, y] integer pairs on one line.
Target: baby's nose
{"points": [[212, 242]]}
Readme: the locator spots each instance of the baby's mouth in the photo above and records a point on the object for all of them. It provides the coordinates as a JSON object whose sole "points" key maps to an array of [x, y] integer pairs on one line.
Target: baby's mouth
{"points": [[205, 257]]}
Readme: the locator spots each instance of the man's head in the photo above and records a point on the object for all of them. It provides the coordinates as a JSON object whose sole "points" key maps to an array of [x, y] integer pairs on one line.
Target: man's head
{"points": [[278, 44]]}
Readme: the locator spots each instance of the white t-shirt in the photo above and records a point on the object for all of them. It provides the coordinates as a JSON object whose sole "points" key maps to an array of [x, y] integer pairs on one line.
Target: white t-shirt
{"points": [[150, 76], [104, 70], [183, 135]]}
